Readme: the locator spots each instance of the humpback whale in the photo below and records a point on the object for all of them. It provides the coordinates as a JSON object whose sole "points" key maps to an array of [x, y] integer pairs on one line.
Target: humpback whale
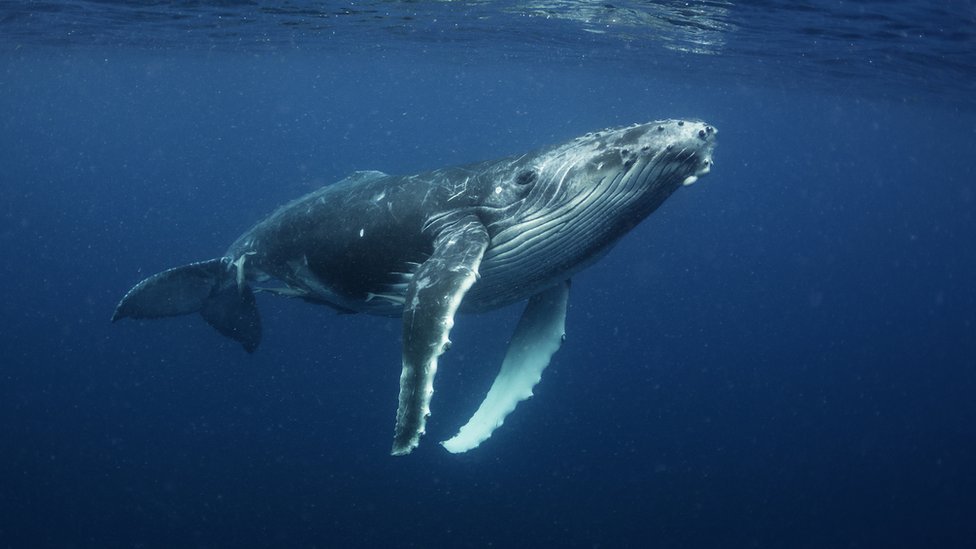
{"points": [[460, 239]]}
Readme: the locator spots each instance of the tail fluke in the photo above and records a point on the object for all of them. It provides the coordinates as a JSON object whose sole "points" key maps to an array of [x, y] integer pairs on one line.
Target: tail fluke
{"points": [[234, 313], [210, 288]]}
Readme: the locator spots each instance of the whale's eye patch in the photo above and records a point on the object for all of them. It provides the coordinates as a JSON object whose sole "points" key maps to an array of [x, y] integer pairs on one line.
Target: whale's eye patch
{"points": [[526, 177]]}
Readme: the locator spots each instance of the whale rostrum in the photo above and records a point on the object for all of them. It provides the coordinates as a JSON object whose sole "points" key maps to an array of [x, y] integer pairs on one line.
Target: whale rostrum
{"points": [[424, 247]]}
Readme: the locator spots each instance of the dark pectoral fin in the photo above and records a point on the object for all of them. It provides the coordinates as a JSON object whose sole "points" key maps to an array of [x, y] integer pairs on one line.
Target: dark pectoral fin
{"points": [[433, 297], [234, 313]]}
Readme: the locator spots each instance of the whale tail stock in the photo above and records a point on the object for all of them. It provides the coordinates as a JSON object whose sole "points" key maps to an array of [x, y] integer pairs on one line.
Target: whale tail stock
{"points": [[211, 288]]}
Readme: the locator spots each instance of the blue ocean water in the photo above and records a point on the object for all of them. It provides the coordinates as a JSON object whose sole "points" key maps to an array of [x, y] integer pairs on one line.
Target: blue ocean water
{"points": [[784, 355]]}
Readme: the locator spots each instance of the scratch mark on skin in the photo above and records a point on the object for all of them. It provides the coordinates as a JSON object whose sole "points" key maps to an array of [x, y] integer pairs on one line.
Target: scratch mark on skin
{"points": [[517, 160], [462, 186], [427, 196], [238, 265], [389, 207]]}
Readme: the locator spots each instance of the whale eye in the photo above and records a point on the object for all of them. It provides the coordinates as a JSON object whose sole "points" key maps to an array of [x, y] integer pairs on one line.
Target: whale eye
{"points": [[526, 177]]}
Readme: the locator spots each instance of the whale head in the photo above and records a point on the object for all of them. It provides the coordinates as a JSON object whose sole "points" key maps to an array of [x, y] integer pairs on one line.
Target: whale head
{"points": [[625, 173], [576, 199]]}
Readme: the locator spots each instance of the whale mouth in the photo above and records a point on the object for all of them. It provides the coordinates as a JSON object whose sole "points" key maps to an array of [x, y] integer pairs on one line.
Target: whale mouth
{"points": [[682, 168], [705, 166]]}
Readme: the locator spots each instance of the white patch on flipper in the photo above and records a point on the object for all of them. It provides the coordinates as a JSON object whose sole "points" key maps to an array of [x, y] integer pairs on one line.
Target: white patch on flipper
{"points": [[538, 336]]}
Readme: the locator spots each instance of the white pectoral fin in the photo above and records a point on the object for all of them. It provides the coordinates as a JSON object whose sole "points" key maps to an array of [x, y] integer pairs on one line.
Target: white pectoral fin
{"points": [[538, 336], [432, 299]]}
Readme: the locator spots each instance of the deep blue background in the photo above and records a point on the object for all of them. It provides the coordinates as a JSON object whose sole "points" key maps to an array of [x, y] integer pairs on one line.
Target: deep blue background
{"points": [[783, 356]]}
